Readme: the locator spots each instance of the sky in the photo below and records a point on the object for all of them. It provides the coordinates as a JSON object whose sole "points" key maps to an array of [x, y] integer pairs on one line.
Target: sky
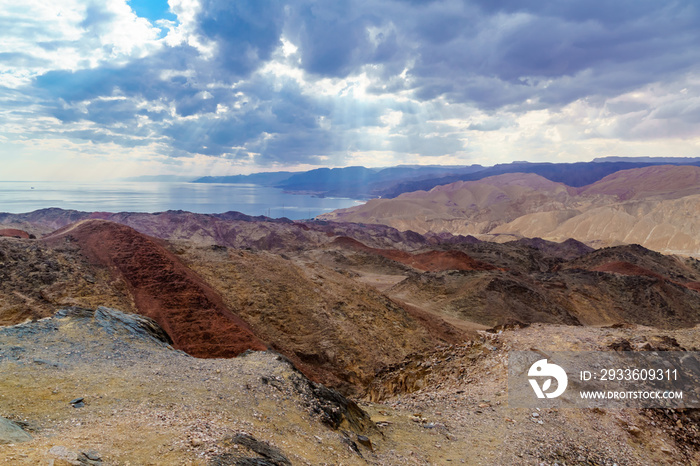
{"points": [[95, 90]]}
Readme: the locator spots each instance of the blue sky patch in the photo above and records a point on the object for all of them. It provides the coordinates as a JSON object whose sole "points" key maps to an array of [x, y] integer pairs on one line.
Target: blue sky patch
{"points": [[152, 10]]}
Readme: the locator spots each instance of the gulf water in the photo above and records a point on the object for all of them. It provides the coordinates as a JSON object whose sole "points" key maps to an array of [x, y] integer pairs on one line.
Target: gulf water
{"points": [[21, 196]]}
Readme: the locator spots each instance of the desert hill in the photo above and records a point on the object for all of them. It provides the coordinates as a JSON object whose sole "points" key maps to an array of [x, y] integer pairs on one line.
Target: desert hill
{"points": [[189, 311], [230, 229], [431, 284], [656, 207], [36, 279], [665, 181], [335, 329], [406, 322], [216, 303]]}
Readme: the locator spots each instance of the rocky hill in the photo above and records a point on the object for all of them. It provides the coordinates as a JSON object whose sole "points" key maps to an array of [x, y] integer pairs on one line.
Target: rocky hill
{"points": [[656, 207], [99, 387], [216, 302], [104, 387], [162, 288], [417, 329]]}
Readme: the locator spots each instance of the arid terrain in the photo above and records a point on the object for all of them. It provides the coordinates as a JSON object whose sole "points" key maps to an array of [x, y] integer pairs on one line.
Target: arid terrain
{"points": [[656, 207], [180, 338]]}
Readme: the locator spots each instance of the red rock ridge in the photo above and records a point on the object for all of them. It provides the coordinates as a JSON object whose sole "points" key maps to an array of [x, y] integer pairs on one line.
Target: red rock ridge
{"points": [[626, 268], [14, 233], [189, 310], [431, 261]]}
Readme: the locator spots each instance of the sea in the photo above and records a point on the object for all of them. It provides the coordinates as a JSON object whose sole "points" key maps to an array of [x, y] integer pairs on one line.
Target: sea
{"points": [[141, 196]]}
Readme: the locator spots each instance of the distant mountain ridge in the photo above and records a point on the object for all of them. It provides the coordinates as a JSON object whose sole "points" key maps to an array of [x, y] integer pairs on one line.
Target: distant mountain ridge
{"points": [[655, 206], [352, 182], [366, 183], [572, 174]]}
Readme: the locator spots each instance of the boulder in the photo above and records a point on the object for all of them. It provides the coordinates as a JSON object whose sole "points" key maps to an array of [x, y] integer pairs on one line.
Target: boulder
{"points": [[12, 433]]}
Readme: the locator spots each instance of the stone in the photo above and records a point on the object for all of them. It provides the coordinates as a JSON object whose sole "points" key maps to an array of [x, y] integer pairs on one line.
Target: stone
{"points": [[365, 442], [12, 433], [92, 455], [63, 453], [77, 402]]}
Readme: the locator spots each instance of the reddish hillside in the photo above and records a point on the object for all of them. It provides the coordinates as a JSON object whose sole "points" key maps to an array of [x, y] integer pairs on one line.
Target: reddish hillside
{"points": [[625, 268], [431, 261], [692, 285], [14, 233], [188, 309]]}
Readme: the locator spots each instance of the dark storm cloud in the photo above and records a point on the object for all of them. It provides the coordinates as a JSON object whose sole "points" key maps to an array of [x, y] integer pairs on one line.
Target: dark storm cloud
{"points": [[336, 39], [491, 55], [138, 78], [508, 53], [501, 53], [246, 32]]}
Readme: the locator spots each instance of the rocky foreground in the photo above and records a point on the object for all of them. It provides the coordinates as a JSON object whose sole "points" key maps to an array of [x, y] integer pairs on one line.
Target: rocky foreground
{"points": [[103, 387]]}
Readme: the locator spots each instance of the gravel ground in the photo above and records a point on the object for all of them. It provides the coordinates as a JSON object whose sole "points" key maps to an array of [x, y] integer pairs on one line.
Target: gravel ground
{"points": [[144, 403]]}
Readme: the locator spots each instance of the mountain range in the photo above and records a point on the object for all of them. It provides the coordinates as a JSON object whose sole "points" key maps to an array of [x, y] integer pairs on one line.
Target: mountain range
{"points": [[367, 183], [656, 206]]}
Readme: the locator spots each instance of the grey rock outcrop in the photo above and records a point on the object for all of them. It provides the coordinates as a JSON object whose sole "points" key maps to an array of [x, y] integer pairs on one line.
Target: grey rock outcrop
{"points": [[10, 432]]}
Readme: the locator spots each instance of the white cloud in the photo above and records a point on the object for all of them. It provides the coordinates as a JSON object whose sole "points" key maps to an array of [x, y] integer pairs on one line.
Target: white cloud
{"points": [[298, 83]]}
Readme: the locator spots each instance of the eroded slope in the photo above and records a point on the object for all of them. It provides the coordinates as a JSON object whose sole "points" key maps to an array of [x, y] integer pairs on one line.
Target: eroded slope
{"points": [[188, 309]]}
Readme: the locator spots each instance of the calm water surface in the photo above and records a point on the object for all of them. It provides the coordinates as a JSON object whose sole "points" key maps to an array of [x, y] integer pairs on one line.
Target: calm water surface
{"points": [[205, 198]]}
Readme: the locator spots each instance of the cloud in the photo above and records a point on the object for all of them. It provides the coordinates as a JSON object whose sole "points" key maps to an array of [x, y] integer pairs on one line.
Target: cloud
{"points": [[283, 83], [245, 33]]}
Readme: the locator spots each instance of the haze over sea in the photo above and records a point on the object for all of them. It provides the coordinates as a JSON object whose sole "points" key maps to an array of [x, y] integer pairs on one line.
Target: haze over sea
{"points": [[205, 198]]}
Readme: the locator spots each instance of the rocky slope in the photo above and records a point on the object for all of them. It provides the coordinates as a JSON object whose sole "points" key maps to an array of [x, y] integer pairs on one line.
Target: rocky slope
{"points": [[657, 207], [192, 313], [396, 319], [319, 317], [231, 229], [219, 303], [537, 281], [462, 390], [103, 387], [36, 279]]}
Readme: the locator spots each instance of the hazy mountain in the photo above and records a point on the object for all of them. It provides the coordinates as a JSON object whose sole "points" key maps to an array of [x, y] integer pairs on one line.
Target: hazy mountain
{"points": [[366, 183], [353, 182], [661, 160], [572, 174], [657, 207], [262, 179]]}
